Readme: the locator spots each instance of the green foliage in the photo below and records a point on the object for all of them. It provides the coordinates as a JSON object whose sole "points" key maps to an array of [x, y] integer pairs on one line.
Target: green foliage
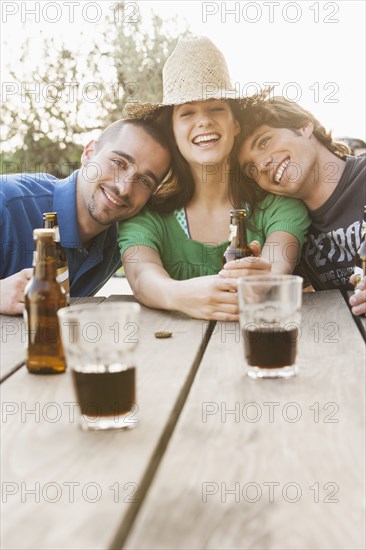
{"points": [[70, 94]]}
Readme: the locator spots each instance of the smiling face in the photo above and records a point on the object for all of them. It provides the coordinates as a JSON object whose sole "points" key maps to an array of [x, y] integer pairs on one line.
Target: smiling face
{"points": [[116, 181], [280, 160], [204, 131]]}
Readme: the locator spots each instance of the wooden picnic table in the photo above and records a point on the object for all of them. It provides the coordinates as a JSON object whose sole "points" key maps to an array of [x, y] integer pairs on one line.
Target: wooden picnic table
{"points": [[218, 461]]}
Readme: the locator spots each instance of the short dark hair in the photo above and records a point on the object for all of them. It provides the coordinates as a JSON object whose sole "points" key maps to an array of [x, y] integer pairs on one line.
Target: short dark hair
{"points": [[278, 112], [112, 131]]}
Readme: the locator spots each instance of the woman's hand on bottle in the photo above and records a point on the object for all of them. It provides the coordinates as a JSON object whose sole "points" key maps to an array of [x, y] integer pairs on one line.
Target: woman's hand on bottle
{"points": [[12, 292], [358, 299], [251, 265]]}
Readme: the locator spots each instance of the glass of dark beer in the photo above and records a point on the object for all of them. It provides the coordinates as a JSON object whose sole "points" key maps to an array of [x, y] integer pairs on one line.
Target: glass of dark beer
{"points": [[100, 344], [270, 316]]}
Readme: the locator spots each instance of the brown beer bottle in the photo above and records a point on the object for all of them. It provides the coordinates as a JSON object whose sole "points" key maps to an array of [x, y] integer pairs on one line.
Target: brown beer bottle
{"points": [[360, 257], [50, 222], [43, 297], [238, 247]]}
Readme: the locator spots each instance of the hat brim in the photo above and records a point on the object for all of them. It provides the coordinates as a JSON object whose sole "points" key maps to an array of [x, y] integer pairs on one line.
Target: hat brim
{"points": [[144, 110]]}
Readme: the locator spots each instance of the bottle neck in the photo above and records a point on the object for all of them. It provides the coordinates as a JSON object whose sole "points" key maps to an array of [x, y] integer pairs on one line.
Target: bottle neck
{"points": [[240, 239], [51, 223]]}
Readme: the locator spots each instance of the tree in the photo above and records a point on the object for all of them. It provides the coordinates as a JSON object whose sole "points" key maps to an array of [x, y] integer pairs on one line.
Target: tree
{"points": [[60, 101]]}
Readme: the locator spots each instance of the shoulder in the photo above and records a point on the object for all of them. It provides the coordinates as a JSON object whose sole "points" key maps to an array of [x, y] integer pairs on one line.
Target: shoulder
{"points": [[147, 218], [273, 204], [355, 168], [13, 186]]}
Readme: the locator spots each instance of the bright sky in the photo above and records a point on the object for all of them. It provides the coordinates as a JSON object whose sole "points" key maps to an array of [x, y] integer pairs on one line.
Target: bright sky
{"points": [[314, 51]]}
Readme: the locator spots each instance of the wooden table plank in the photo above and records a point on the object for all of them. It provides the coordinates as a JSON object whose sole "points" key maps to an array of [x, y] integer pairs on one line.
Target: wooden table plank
{"points": [[13, 339], [108, 472], [237, 440], [12, 344]]}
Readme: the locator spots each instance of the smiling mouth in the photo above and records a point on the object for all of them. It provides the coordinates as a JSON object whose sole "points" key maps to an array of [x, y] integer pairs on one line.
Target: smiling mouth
{"points": [[112, 199], [205, 140], [280, 170]]}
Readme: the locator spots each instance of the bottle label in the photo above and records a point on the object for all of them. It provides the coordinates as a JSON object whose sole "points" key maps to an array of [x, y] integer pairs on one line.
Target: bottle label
{"points": [[57, 233], [62, 277], [233, 231], [358, 271]]}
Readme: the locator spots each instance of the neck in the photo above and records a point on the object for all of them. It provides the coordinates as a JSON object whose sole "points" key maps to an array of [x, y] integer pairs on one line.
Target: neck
{"points": [[211, 183], [88, 228], [323, 178]]}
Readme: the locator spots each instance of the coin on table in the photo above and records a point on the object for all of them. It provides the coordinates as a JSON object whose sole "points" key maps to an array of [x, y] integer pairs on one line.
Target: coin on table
{"points": [[163, 334]]}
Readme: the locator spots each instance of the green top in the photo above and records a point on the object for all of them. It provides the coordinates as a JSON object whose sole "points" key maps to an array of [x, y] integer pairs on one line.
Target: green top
{"points": [[184, 258]]}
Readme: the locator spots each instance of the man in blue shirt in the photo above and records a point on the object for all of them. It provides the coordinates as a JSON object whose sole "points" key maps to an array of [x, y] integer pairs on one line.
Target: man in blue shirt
{"points": [[119, 173]]}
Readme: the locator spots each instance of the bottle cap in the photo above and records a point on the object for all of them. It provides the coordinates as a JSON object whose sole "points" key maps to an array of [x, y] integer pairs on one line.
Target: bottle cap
{"points": [[49, 214]]}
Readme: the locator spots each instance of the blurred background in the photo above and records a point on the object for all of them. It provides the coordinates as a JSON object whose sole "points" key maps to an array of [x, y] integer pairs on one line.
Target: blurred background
{"points": [[68, 68]]}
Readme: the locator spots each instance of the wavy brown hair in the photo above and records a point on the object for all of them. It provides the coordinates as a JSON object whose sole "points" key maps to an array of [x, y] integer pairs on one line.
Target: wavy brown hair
{"points": [[179, 191]]}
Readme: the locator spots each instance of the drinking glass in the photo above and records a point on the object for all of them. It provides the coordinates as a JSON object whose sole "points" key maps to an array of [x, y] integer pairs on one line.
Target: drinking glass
{"points": [[100, 342], [270, 317]]}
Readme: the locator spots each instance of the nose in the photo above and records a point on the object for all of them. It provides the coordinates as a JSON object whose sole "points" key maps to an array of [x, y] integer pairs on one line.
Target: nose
{"points": [[204, 119], [264, 162], [125, 184]]}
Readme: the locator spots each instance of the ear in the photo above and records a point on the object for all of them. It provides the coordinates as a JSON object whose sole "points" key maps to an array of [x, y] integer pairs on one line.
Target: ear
{"points": [[308, 130], [236, 128], [88, 152]]}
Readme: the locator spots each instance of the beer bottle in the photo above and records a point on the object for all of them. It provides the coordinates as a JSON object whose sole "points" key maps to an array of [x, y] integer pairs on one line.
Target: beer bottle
{"points": [[43, 297], [360, 257], [238, 247], [50, 222]]}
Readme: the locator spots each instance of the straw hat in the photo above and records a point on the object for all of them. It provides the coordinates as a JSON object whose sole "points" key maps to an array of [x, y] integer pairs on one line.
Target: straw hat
{"points": [[195, 71]]}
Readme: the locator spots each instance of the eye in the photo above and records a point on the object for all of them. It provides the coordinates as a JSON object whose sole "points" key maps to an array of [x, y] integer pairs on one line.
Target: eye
{"points": [[148, 184], [119, 163], [185, 114], [218, 109], [263, 142]]}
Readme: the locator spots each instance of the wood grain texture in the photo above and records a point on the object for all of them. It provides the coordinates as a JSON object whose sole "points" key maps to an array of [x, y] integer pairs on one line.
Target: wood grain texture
{"points": [[13, 339], [45, 450], [310, 451], [12, 344]]}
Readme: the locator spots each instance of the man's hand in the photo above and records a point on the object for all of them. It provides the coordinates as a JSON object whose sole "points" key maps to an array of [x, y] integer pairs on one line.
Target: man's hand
{"points": [[358, 299], [12, 292]]}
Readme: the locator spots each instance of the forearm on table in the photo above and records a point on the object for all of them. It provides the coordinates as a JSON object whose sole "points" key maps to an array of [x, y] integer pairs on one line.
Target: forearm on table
{"points": [[281, 249], [153, 287], [150, 283]]}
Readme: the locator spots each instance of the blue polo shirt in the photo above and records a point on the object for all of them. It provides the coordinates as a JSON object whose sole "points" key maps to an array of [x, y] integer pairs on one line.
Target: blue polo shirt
{"points": [[23, 199]]}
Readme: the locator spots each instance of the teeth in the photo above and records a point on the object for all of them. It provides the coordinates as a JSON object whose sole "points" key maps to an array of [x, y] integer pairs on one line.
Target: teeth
{"points": [[208, 137], [280, 170], [109, 197]]}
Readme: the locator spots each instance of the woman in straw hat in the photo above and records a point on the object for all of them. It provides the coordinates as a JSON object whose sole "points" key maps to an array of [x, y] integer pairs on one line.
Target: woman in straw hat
{"points": [[172, 253]]}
